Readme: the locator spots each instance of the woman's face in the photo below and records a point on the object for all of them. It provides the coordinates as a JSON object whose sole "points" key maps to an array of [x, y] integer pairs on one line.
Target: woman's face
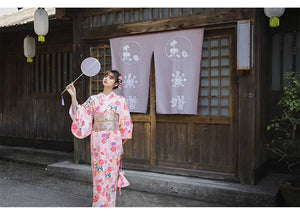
{"points": [[109, 80]]}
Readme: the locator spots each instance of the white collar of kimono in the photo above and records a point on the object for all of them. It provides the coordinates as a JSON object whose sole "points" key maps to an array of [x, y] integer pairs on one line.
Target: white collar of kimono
{"points": [[108, 94]]}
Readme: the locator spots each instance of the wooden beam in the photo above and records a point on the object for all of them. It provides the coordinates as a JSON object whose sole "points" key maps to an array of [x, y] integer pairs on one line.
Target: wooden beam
{"points": [[226, 16]]}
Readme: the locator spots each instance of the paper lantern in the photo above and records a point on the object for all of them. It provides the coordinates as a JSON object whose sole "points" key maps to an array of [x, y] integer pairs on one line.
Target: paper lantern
{"points": [[29, 48], [41, 24], [274, 14]]}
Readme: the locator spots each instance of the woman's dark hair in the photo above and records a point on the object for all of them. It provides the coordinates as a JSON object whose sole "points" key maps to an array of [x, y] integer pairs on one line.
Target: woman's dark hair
{"points": [[116, 75]]}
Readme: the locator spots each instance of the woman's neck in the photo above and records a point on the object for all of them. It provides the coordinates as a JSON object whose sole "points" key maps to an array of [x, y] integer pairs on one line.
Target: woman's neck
{"points": [[107, 91]]}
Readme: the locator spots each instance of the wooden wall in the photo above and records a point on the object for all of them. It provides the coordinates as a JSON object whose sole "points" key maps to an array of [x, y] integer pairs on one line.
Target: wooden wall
{"points": [[228, 148], [27, 117], [206, 147]]}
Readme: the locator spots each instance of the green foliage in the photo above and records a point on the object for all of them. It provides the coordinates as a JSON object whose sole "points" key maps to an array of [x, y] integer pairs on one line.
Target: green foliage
{"points": [[285, 129]]}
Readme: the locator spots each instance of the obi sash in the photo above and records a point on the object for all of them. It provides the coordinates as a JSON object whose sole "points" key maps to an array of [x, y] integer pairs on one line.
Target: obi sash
{"points": [[106, 122]]}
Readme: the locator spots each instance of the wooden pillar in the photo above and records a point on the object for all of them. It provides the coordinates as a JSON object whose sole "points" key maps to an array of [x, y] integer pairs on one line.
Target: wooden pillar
{"points": [[79, 53]]}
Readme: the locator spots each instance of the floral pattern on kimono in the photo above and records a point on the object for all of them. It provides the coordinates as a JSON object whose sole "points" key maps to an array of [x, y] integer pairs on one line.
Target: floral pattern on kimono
{"points": [[106, 146]]}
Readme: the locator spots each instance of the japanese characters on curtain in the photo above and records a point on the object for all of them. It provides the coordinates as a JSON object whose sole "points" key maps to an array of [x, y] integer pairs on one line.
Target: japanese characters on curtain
{"points": [[177, 57], [131, 56]]}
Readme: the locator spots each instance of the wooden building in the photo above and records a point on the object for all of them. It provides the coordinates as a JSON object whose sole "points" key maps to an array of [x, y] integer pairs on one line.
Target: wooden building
{"points": [[225, 141]]}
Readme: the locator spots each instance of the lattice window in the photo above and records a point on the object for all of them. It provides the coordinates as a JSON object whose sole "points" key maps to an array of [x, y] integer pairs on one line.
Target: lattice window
{"points": [[102, 53], [52, 72], [215, 85]]}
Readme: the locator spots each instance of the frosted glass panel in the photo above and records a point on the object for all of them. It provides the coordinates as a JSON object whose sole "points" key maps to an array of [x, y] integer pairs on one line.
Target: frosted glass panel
{"points": [[126, 16], [154, 13], [214, 91], [204, 73], [214, 62], [205, 63], [165, 12], [214, 111], [224, 101], [204, 92], [136, 15], [205, 53], [214, 101], [204, 82], [175, 11], [224, 52], [186, 11], [204, 111], [224, 71], [225, 81], [214, 52], [146, 14], [224, 61], [215, 72], [204, 102], [214, 82], [224, 92]]}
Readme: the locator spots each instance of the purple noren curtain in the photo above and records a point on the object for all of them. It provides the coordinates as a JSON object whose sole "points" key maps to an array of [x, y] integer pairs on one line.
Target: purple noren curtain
{"points": [[131, 56], [177, 57]]}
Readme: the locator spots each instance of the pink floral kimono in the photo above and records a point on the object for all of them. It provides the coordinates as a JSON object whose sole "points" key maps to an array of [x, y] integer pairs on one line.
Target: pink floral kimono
{"points": [[107, 119]]}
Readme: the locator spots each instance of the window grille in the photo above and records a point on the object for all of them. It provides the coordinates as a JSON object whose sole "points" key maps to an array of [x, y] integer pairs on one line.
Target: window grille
{"points": [[215, 98], [52, 72]]}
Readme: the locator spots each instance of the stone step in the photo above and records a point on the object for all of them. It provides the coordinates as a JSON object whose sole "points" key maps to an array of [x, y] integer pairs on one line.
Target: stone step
{"points": [[224, 193]]}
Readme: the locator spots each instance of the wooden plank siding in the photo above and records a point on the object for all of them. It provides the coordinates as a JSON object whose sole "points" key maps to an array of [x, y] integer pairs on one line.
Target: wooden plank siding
{"points": [[202, 146], [30, 110]]}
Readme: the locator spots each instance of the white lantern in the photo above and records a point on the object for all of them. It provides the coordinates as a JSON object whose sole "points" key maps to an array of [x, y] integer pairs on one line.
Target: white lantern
{"points": [[41, 23], [274, 14], [29, 48]]}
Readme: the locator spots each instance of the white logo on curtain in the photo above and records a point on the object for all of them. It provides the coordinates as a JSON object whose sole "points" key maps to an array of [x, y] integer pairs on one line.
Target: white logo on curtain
{"points": [[129, 81], [131, 52], [178, 79], [132, 101], [178, 48], [178, 102]]}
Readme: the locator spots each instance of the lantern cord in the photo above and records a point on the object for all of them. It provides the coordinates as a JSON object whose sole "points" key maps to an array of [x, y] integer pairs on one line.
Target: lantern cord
{"points": [[73, 82]]}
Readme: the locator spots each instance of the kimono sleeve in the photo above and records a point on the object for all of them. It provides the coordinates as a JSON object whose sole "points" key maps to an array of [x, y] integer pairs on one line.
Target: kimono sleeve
{"points": [[82, 119], [125, 123]]}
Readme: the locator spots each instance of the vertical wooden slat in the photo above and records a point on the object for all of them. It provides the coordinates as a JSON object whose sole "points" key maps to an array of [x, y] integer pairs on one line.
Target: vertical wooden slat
{"points": [[59, 72], [53, 73], [42, 72], [70, 56], [65, 69], [36, 72], [47, 64]]}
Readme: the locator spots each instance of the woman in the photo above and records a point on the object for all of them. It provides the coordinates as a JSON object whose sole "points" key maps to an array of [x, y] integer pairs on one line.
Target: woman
{"points": [[106, 117]]}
